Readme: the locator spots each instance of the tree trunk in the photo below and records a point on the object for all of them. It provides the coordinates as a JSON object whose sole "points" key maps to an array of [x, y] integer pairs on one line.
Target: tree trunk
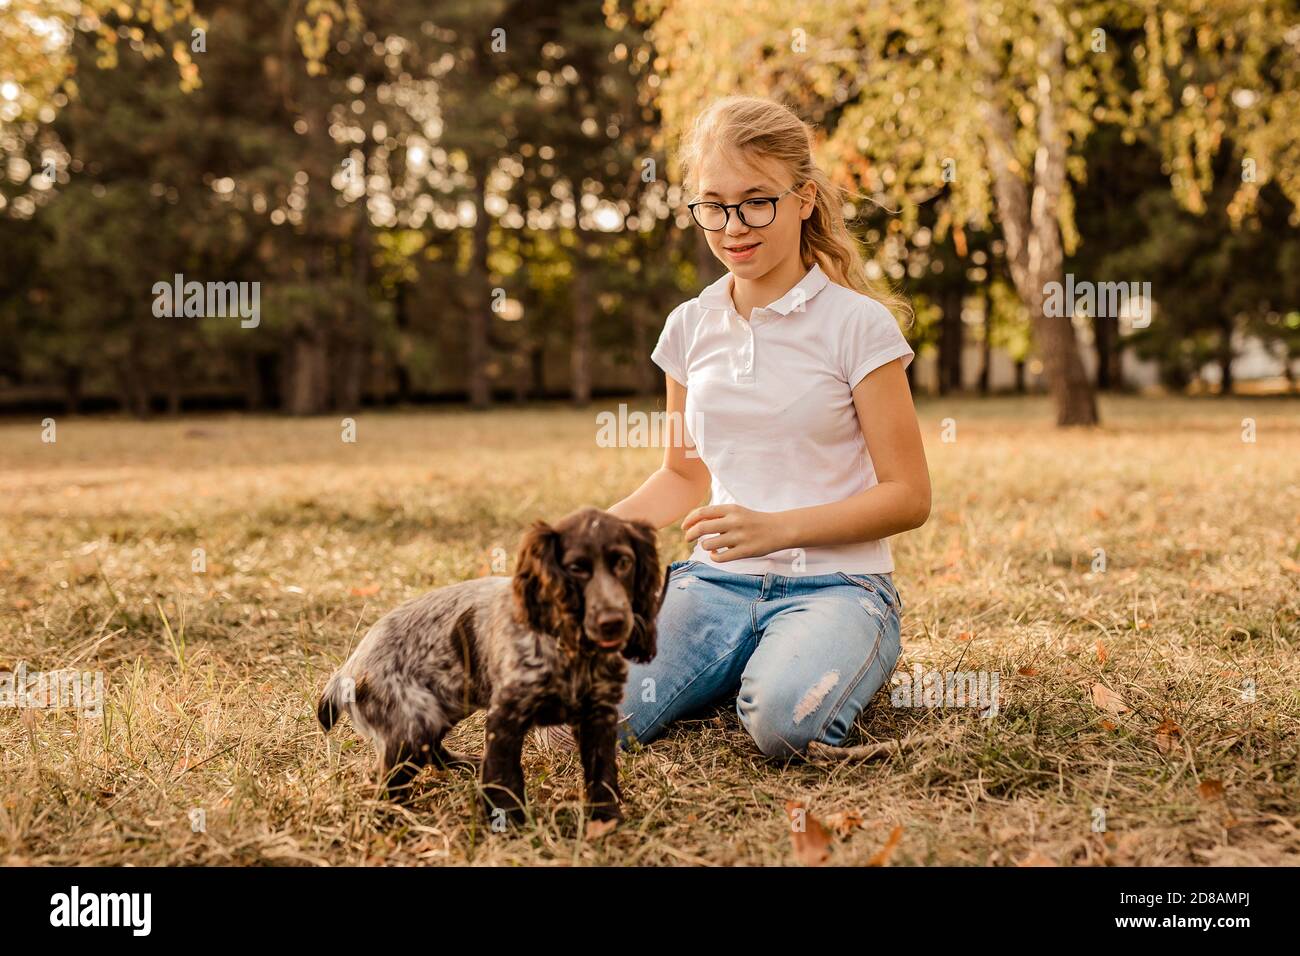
{"points": [[1058, 348], [135, 399], [480, 312], [1105, 333], [351, 378], [254, 391], [986, 347], [356, 357], [645, 381], [1029, 212], [401, 369], [537, 359], [308, 386], [172, 380], [1020, 376], [951, 342], [1225, 357], [132, 379], [583, 313]]}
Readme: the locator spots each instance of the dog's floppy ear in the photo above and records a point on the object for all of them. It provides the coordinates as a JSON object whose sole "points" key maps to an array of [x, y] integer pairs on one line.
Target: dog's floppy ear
{"points": [[647, 593], [540, 586]]}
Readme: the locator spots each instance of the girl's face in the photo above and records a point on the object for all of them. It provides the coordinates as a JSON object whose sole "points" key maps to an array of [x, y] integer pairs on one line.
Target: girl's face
{"points": [[751, 252]]}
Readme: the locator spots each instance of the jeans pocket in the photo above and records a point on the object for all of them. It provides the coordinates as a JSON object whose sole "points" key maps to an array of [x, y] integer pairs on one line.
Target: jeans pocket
{"points": [[877, 584]]}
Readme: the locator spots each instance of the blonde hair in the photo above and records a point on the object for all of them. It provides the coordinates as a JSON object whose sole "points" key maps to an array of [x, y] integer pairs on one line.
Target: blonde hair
{"points": [[769, 130]]}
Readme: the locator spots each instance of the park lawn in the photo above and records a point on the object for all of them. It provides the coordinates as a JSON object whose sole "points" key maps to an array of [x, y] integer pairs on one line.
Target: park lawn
{"points": [[1188, 754]]}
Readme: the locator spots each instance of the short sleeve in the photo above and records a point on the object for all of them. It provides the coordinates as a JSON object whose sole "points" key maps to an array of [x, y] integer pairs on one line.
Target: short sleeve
{"points": [[670, 351], [871, 338]]}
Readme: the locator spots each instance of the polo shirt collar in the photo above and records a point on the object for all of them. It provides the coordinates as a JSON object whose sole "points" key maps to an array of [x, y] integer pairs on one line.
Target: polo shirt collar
{"points": [[812, 283], [718, 294]]}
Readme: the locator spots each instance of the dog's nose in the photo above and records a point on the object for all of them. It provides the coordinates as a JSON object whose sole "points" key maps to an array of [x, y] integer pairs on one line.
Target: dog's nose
{"points": [[611, 624]]}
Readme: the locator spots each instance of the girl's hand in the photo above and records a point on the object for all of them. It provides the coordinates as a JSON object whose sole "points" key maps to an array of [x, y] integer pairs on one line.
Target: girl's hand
{"points": [[743, 533]]}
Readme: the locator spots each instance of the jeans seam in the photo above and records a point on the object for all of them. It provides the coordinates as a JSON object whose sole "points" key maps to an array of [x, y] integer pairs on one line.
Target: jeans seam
{"points": [[894, 599], [848, 691], [668, 703]]}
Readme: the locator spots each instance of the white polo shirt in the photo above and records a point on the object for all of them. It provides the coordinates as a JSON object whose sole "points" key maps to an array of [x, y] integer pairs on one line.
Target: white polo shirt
{"points": [[769, 406]]}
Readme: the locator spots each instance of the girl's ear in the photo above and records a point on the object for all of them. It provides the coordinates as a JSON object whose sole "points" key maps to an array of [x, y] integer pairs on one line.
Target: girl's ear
{"points": [[808, 195]]}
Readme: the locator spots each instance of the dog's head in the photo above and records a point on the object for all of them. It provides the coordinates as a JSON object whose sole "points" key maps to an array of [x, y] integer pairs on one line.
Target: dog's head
{"points": [[593, 582]]}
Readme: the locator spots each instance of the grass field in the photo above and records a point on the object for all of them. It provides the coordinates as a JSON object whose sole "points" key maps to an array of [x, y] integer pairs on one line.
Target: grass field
{"points": [[1187, 754]]}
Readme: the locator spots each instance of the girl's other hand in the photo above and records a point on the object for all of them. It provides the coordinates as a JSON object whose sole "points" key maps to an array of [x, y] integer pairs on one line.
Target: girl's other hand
{"points": [[738, 531]]}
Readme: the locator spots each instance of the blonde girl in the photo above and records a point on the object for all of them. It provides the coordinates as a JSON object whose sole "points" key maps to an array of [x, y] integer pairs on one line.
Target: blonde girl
{"points": [[788, 373]]}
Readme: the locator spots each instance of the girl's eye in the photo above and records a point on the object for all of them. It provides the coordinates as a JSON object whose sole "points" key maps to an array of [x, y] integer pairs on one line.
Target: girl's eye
{"points": [[754, 205]]}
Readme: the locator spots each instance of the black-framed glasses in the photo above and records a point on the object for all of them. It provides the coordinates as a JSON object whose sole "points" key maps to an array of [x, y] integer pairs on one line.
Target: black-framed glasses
{"points": [[756, 212]]}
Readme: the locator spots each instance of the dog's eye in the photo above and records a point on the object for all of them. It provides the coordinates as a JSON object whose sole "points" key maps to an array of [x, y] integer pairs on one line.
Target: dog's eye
{"points": [[578, 568], [622, 564]]}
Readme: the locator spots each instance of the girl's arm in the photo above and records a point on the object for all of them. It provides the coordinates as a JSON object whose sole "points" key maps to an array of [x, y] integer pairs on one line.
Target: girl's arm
{"points": [[900, 502], [680, 482]]}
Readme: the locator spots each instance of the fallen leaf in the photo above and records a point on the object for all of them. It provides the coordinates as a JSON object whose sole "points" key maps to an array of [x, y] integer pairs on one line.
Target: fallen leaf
{"points": [[1211, 789], [810, 840], [965, 636], [1109, 725], [1109, 701], [886, 851], [1028, 672], [843, 822], [1165, 736], [367, 591], [1101, 653]]}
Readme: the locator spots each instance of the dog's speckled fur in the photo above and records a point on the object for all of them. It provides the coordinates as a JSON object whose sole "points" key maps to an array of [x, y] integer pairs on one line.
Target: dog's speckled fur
{"points": [[546, 647]]}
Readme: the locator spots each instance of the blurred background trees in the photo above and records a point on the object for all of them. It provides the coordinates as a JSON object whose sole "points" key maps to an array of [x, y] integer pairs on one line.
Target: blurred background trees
{"points": [[475, 200]]}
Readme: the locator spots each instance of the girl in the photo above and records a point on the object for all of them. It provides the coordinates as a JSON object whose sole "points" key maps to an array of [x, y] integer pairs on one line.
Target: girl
{"points": [[788, 373]]}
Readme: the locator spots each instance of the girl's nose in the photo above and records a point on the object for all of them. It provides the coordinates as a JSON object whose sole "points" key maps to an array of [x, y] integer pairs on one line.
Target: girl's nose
{"points": [[734, 226]]}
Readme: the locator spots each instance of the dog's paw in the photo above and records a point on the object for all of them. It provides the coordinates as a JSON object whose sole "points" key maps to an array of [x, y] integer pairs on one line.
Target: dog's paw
{"points": [[598, 827]]}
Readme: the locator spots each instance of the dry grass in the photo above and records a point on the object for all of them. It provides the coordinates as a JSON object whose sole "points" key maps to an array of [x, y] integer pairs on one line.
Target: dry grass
{"points": [[309, 539]]}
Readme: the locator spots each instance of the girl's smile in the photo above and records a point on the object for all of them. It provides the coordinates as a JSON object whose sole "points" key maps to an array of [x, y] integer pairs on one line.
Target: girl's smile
{"points": [[740, 251]]}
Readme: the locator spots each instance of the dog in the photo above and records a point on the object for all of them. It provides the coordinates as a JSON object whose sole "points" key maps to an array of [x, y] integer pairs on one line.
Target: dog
{"points": [[548, 646]]}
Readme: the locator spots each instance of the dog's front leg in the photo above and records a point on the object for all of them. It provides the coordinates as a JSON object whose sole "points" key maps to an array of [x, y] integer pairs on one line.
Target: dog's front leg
{"points": [[503, 773], [598, 747]]}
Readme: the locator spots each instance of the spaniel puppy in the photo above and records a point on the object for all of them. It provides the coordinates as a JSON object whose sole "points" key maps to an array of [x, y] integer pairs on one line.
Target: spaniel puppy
{"points": [[546, 647]]}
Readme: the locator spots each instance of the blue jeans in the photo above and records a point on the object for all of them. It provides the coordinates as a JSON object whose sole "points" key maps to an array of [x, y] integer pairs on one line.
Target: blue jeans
{"points": [[803, 654]]}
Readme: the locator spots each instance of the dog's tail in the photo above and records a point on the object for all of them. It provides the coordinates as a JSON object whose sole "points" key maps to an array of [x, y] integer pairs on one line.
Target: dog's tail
{"points": [[330, 704]]}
